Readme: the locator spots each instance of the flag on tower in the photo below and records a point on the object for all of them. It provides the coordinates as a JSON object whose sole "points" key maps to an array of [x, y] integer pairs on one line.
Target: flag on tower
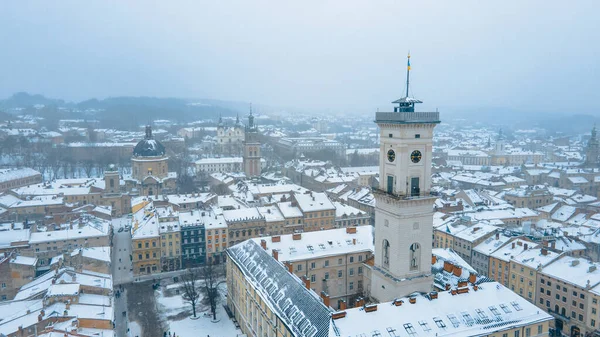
{"points": [[408, 61]]}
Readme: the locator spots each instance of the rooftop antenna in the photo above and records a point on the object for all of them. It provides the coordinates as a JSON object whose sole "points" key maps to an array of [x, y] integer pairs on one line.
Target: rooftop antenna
{"points": [[407, 73]]}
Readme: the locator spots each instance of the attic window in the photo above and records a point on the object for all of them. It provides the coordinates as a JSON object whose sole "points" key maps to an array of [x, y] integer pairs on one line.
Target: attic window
{"points": [[438, 321], [390, 135], [392, 332], [409, 328], [454, 320], [516, 306], [505, 308]]}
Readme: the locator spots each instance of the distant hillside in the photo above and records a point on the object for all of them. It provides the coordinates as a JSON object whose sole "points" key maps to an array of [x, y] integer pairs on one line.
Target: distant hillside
{"points": [[128, 112], [23, 99]]}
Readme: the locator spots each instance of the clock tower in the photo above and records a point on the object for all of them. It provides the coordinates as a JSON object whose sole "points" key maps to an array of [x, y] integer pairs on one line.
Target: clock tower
{"points": [[404, 208]]}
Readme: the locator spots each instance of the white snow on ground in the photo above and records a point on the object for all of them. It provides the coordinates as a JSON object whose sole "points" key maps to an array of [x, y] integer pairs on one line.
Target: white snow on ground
{"points": [[134, 330], [200, 326]]}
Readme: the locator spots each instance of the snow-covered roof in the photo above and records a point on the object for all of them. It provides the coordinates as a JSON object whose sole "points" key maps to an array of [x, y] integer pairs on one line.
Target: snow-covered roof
{"points": [[12, 174], [490, 309], [574, 270], [318, 244], [24, 260], [70, 289], [95, 253], [564, 213], [514, 248], [299, 308], [535, 257], [491, 244], [313, 202], [86, 231]]}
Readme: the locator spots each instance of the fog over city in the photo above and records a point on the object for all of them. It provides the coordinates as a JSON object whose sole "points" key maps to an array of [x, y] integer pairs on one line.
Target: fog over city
{"points": [[530, 56], [299, 168]]}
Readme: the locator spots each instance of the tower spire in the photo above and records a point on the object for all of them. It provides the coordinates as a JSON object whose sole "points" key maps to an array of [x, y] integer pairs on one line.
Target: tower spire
{"points": [[407, 73]]}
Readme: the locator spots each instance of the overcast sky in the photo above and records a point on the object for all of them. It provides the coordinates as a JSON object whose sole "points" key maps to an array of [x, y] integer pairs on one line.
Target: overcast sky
{"points": [[336, 55]]}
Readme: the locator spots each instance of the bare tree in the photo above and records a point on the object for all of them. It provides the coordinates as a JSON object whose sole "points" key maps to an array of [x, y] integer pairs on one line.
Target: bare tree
{"points": [[88, 167], [212, 275], [191, 293]]}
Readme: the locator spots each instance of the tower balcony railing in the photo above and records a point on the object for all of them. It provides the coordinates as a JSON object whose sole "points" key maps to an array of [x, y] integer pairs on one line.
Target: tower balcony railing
{"points": [[402, 196], [407, 117]]}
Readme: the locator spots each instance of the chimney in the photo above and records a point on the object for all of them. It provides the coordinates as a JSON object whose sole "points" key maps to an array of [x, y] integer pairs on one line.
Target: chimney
{"points": [[433, 295], [325, 298], [359, 302], [297, 236], [338, 315], [447, 286], [370, 307], [306, 282], [513, 245], [525, 246], [457, 271], [354, 241], [592, 268], [475, 287], [263, 244], [68, 305], [289, 266], [412, 300], [343, 305], [397, 302], [40, 317], [275, 253], [448, 267], [350, 230], [553, 244], [276, 238], [497, 236], [544, 251], [433, 259], [472, 278], [519, 243]]}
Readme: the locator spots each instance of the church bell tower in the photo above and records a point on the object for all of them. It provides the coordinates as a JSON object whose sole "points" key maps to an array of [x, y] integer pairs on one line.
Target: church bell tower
{"points": [[251, 157], [404, 208]]}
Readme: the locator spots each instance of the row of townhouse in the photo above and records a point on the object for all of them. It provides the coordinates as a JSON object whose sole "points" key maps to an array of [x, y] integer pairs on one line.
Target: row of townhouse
{"points": [[165, 239]]}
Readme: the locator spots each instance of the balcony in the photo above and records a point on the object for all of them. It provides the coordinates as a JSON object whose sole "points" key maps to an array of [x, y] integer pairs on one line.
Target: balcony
{"points": [[412, 196], [407, 117]]}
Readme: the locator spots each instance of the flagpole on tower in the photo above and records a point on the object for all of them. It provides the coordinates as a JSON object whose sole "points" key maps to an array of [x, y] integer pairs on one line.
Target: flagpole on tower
{"points": [[407, 73]]}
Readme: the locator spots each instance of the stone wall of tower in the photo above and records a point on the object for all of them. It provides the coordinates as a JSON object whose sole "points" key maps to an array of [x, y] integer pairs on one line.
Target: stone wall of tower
{"points": [[402, 139], [252, 166], [402, 223]]}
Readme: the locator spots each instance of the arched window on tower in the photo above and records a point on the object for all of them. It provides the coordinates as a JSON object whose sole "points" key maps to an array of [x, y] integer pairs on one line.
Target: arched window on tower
{"points": [[386, 254], [415, 256]]}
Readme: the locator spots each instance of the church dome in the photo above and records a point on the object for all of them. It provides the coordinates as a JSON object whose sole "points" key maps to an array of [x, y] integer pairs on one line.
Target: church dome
{"points": [[149, 147]]}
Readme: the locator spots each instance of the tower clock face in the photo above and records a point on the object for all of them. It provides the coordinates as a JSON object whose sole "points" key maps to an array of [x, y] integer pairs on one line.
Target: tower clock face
{"points": [[415, 156], [391, 155]]}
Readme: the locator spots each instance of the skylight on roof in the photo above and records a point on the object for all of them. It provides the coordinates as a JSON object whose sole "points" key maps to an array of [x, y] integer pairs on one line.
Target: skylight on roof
{"points": [[424, 326], [438, 321], [467, 318], [516, 306], [494, 311], [392, 332], [505, 308], [481, 314], [454, 320], [410, 329]]}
